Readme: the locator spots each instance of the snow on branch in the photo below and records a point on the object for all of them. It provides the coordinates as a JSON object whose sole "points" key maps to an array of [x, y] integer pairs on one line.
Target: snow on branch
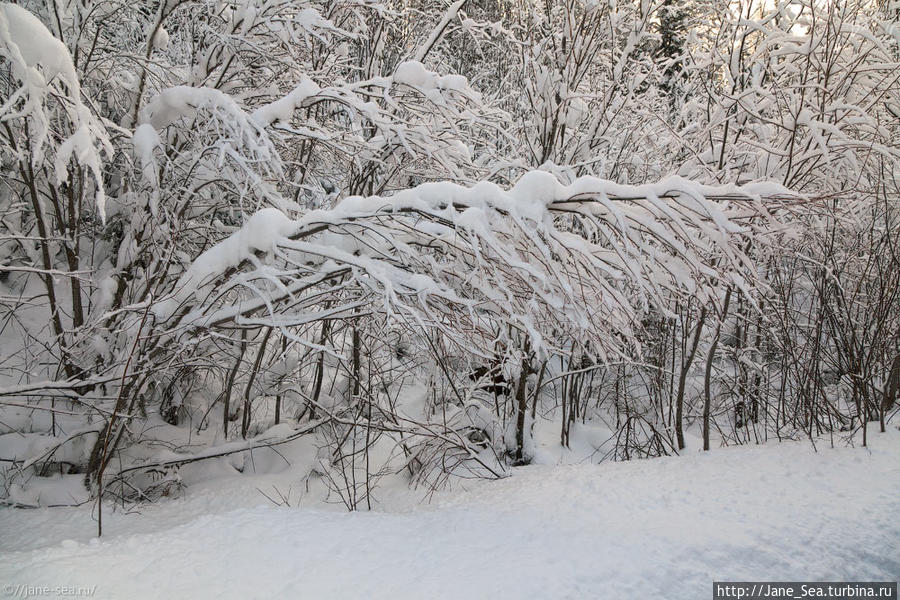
{"points": [[586, 258], [43, 67]]}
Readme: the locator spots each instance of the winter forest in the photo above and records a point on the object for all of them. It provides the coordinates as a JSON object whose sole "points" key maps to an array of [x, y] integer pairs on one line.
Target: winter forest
{"points": [[351, 251]]}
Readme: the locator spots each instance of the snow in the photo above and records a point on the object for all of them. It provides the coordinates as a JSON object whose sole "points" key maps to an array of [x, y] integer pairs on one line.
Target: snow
{"points": [[534, 191], [37, 46], [259, 233], [28, 44], [81, 145], [182, 101], [456, 83], [650, 528], [450, 15], [283, 108], [413, 74], [161, 39], [144, 141], [31, 447]]}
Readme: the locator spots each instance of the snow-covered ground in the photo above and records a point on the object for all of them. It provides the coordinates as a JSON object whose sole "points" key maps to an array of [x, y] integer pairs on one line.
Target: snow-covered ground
{"points": [[655, 528]]}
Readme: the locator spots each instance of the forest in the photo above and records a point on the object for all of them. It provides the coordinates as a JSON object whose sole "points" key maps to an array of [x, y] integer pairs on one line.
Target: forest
{"points": [[420, 242]]}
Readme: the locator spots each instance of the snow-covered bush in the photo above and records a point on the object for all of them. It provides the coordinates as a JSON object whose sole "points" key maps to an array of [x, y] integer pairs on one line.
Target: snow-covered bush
{"points": [[398, 240]]}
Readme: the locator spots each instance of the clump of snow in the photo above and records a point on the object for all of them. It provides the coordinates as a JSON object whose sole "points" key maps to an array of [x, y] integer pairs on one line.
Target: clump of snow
{"points": [[36, 45], [260, 233], [37, 58], [161, 39], [577, 112], [414, 74], [283, 108], [181, 101], [144, 141], [457, 83], [534, 191], [264, 228]]}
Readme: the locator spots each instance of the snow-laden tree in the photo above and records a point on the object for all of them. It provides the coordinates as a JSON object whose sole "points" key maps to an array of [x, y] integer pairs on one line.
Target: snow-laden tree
{"points": [[449, 272], [53, 147], [400, 232], [807, 94]]}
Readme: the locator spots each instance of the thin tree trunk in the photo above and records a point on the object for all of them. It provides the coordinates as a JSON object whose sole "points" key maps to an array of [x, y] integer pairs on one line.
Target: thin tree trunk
{"points": [[229, 384], [320, 371], [707, 395], [522, 406], [682, 379], [245, 422]]}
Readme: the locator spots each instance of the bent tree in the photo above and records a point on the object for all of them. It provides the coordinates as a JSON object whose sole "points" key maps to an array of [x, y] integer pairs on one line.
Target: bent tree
{"points": [[298, 223]]}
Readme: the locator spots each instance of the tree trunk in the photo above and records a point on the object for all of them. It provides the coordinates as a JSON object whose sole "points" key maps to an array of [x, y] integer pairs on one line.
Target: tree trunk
{"points": [[522, 407], [682, 378], [707, 395]]}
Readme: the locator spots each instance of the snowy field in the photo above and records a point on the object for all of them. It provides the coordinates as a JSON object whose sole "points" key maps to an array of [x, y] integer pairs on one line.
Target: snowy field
{"points": [[662, 528]]}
